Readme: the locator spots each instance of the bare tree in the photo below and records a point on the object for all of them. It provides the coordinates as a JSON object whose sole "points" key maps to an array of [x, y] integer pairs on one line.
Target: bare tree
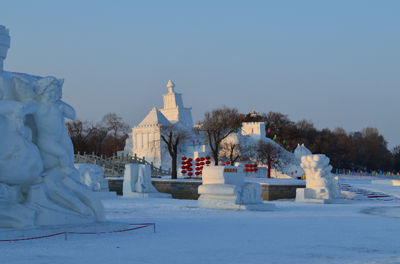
{"points": [[217, 125], [230, 151], [104, 138], [173, 136], [234, 148], [118, 131], [81, 134], [271, 155]]}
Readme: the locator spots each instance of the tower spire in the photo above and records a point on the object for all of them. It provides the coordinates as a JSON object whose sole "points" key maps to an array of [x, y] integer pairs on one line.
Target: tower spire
{"points": [[170, 86]]}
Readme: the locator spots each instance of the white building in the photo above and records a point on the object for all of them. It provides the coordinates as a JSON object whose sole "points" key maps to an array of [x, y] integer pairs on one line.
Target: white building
{"points": [[145, 138]]}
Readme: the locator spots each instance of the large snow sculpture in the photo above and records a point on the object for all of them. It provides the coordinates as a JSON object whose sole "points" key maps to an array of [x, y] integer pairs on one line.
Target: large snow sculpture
{"points": [[321, 185], [225, 188], [137, 182], [38, 182]]}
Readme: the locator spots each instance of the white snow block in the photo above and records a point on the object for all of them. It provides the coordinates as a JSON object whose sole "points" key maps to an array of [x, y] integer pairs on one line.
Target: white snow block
{"points": [[222, 175], [387, 182], [321, 185], [224, 188], [137, 183], [92, 176]]}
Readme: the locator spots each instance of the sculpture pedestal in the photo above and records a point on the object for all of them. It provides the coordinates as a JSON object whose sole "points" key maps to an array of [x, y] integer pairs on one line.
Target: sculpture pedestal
{"points": [[224, 188], [306, 195], [50, 213]]}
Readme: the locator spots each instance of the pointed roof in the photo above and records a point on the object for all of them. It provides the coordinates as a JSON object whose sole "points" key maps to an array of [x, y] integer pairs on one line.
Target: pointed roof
{"points": [[154, 117]]}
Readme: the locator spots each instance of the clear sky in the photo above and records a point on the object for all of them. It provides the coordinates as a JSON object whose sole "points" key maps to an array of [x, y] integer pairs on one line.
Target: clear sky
{"points": [[336, 63]]}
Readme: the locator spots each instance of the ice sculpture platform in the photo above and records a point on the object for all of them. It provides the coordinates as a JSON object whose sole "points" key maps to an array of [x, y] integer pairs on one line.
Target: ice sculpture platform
{"points": [[225, 188]]}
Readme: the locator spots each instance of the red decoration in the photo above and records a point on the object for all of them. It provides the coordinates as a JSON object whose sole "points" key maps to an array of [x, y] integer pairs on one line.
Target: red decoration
{"points": [[208, 158], [183, 171], [190, 174], [184, 158], [208, 162]]}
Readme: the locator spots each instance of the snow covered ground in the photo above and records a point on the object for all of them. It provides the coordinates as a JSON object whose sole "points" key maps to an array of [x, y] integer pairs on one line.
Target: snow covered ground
{"points": [[361, 231]]}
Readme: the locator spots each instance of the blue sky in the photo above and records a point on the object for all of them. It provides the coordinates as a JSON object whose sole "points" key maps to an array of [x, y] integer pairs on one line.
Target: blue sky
{"points": [[336, 63]]}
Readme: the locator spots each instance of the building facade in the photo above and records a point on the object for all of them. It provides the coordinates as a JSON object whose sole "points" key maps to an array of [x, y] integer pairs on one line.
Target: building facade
{"points": [[145, 138]]}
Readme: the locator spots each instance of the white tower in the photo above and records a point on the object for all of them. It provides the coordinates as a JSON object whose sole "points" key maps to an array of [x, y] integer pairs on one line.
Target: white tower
{"points": [[4, 44], [173, 108]]}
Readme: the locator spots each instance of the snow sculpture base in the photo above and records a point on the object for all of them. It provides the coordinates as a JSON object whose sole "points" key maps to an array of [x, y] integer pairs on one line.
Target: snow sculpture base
{"points": [[224, 188], [321, 185], [305, 195], [49, 213], [137, 183]]}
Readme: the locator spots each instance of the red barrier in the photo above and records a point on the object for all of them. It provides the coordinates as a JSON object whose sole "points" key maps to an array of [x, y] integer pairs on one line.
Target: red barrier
{"points": [[140, 226]]}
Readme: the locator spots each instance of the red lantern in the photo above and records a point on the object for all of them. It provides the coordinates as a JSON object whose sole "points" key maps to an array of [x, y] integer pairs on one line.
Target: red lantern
{"points": [[190, 174], [208, 162], [208, 158], [183, 171], [189, 169], [184, 158]]}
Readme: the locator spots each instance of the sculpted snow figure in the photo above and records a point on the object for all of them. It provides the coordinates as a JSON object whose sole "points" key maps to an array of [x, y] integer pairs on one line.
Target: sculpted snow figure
{"points": [[39, 184], [321, 185]]}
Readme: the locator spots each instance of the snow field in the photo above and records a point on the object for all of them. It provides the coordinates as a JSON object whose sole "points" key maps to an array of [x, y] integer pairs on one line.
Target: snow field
{"points": [[354, 232]]}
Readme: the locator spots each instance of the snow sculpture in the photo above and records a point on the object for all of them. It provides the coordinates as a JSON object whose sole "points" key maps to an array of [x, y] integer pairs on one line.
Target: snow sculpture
{"points": [[321, 185], [92, 176], [38, 182], [137, 182], [225, 188], [301, 151]]}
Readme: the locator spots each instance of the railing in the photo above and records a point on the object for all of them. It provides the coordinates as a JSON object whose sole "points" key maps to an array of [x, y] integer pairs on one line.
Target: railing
{"points": [[115, 166]]}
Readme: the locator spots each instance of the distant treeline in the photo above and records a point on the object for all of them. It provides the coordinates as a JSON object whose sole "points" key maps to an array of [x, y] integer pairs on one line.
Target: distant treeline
{"points": [[105, 138], [365, 150], [361, 150]]}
